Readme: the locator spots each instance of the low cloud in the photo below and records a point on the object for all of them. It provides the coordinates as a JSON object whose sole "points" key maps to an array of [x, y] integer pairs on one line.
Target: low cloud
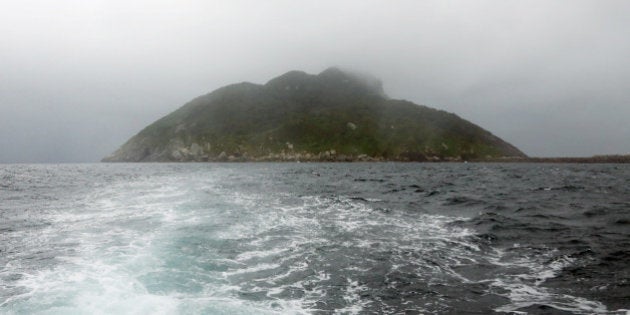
{"points": [[81, 77]]}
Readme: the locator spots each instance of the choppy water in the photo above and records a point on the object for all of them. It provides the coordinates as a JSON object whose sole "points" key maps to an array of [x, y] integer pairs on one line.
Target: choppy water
{"points": [[314, 238]]}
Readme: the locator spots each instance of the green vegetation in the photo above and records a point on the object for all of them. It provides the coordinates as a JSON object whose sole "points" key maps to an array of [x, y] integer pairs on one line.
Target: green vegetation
{"points": [[331, 116]]}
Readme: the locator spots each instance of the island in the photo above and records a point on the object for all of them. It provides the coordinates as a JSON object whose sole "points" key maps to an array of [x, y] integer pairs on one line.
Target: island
{"points": [[336, 115]]}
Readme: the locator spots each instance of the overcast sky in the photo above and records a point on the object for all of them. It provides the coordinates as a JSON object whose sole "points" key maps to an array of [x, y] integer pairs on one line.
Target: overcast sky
{"points": [[78, 78]]}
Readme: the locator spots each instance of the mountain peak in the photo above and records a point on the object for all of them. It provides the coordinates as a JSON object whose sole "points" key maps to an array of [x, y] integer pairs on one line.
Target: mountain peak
{"points": [[370, 83], [332, 72], [290, 78]]}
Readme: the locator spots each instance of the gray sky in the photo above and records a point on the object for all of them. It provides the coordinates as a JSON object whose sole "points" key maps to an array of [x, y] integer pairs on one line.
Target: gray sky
{"points": [[78, 78]]}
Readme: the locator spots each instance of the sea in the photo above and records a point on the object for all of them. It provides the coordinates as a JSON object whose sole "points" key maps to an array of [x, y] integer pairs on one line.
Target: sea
{"points": [[315, 238]]}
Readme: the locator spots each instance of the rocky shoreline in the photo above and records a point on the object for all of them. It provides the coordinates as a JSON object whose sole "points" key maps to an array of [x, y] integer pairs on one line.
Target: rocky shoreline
{"points": [[333, 156], [177, 151]]}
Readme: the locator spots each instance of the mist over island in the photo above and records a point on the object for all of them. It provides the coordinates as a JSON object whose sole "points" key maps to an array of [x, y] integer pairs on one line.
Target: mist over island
{"points": [[337, 115], [81, 78]]}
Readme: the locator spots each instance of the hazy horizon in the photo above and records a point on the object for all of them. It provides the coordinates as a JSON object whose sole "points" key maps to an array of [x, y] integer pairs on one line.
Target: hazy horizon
{"points": [[79, 78]]}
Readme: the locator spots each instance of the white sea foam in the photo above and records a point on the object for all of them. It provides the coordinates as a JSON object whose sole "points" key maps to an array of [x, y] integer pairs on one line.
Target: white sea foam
{"points": [[109, 253], [525, 289]]}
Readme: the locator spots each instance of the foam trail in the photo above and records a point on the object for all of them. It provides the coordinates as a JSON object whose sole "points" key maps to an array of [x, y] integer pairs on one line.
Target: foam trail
{"points": [[170, 239]]}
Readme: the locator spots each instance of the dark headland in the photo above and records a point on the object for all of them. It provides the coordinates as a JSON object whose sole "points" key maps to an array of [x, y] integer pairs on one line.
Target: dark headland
{"points": [[333, 116]]}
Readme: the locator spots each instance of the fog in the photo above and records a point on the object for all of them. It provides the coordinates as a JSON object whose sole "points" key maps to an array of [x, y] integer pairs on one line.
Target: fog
{"points": [[78, 78]]}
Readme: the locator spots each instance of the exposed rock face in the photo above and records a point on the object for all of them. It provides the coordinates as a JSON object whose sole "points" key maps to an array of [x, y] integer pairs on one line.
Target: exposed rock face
{"points": [[333, 116]]}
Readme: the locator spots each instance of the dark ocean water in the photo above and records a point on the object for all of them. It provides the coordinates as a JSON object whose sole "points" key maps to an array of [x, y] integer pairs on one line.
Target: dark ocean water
{"points": [[389, 238]]}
